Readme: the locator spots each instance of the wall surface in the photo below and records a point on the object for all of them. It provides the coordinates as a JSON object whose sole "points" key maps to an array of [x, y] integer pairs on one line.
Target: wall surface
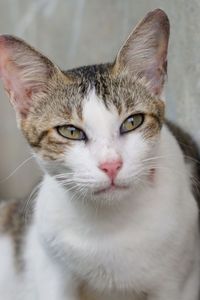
{"points": [[79, 32]]}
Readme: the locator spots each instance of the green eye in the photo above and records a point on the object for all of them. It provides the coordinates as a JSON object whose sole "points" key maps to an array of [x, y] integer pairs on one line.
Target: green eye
{"points": [[71, 132], [131, 123]]}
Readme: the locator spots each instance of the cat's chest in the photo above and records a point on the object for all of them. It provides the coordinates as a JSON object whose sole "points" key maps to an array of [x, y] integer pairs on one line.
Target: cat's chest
{"points": [[121, 261], [91, 294], [103, 264]]}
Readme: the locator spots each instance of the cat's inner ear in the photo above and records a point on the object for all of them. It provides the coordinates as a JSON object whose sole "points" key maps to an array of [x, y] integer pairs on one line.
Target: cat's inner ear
{"points": [[24, 72], [144, 54]]}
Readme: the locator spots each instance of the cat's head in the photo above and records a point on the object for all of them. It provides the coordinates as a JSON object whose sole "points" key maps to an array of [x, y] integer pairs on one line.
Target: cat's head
{"points": [[93, 128]]}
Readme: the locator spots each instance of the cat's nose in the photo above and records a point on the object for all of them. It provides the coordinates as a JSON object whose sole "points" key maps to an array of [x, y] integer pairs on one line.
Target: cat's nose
{"points": [[111, 168]]}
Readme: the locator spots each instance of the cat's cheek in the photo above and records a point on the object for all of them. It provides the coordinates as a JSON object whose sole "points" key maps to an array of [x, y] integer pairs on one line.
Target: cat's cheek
{"points": [[137, 151], [133, 148], [80, 160]]}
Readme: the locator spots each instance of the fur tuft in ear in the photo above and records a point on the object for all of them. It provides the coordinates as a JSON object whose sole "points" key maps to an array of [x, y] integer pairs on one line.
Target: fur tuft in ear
{"points": [[144, 54], [24, 71]]}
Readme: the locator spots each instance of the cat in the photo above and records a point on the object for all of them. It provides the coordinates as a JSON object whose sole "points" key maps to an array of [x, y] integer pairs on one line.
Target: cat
{"points": [[116, 215]]}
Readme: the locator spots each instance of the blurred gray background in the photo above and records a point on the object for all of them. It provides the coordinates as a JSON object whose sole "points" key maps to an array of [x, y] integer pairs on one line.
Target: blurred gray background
{"points": [[79, 32]]}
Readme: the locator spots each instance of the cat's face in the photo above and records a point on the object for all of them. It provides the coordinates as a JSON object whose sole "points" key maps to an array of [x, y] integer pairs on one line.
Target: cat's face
{"points": [[93, 128], [102, 147]]}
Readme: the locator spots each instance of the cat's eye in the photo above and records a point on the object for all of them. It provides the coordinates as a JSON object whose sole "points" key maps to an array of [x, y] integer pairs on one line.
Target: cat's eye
{"points": [[131, 123], [71, 132]]}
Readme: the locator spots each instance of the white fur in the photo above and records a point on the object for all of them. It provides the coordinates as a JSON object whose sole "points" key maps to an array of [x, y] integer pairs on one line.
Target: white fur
{"points": [[121, 244]]}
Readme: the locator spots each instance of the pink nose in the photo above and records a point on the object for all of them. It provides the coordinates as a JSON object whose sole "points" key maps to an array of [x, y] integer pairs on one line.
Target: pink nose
{"points": [[111, 168]]}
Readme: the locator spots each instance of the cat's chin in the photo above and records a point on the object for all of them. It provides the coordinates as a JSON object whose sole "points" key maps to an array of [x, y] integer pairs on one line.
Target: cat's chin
{"points": [[113, 188], [111, 195]]}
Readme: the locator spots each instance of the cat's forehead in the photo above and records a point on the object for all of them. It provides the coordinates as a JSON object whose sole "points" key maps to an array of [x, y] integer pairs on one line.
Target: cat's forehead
{"points": [[113, 91], [97, 116], [94, 97]]}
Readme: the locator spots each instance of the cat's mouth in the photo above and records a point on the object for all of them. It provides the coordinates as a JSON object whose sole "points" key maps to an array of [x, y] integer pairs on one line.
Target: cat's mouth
{"points": [[111, 188]]}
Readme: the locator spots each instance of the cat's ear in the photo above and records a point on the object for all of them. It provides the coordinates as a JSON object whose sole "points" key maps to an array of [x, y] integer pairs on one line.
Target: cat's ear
{"points": [[24, 72], [144, 54]]}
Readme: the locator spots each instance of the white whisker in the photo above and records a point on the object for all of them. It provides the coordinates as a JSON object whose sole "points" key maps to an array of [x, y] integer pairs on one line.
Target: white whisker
{"points": [[16, 169]]}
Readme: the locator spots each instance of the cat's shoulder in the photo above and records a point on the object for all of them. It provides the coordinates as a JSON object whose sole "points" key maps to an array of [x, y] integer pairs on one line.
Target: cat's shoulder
{"points": [[185, 141], [11, 215], [14, 223], [191, 154]]}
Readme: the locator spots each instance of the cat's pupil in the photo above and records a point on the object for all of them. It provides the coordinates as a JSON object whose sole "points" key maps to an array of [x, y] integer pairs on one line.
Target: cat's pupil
{"points": [[72, 130]]}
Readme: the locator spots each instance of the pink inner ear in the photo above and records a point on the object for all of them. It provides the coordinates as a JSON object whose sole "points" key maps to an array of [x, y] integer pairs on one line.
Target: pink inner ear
{"points": [[144, 54], [156, 77], [10, 74]]}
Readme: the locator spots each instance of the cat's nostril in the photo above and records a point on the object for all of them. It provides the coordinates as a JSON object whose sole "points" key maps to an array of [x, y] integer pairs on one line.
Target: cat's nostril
{"points": [[111, 168]]}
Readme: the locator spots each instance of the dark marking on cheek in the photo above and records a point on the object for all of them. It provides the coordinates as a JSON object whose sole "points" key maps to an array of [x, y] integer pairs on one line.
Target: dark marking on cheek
{"points": [[37, 143], [42, 136], [35, 146], [158, 120], [151, 127], [60, 143], [56, 151], [54, 148], [48, 157]]}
